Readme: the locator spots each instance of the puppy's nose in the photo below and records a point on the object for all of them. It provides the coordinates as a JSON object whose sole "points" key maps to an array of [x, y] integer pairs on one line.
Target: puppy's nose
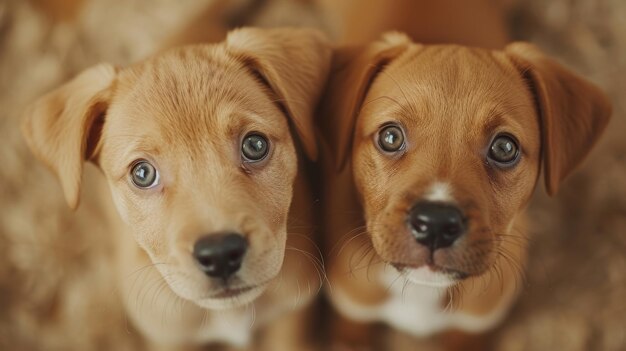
{"points": [[220, 255], [436, 225]]}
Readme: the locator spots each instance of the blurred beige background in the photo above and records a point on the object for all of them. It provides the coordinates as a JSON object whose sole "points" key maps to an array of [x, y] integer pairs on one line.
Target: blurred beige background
{"points": [[575, 295]]}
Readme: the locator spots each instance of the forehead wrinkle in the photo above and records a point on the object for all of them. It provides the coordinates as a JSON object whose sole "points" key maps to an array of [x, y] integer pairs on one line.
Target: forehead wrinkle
{"points": [[387, 74], [386, 106], [140, 146], [461, 82], [188, 100], [492, 122], [447, 63]]}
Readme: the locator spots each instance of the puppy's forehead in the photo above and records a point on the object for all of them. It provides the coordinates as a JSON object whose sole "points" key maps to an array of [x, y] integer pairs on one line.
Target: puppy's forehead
{"points": [[195, 92], [450, 81], [455, 67]]}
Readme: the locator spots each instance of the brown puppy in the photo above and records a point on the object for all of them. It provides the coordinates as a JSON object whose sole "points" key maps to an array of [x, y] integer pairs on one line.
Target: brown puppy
{"points": [[196, 149], [437, 151]]}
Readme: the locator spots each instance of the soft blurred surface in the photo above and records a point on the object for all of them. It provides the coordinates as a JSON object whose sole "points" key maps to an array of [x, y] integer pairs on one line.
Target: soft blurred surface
{"points": [[576, 287], [575, 295]]}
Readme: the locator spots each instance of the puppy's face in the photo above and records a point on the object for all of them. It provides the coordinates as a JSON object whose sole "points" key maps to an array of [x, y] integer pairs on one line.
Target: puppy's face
{"points": [[446, 144], [200, 158], [446, 152]]}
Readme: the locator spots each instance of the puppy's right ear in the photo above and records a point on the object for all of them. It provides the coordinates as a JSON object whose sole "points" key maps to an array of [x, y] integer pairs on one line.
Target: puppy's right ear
{"points": [[293, 64], [573, 112], [63, 127], [353, 72]]}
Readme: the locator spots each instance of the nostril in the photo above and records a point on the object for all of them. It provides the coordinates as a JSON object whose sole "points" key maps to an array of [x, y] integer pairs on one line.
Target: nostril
{"points": [[449, 234], [206, 261], [235, 257], [420, 228], [452, 229]]}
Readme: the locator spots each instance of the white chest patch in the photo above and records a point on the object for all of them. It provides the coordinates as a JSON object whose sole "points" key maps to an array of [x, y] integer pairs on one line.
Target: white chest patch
{"points": [[415, 308], [231, 327]]}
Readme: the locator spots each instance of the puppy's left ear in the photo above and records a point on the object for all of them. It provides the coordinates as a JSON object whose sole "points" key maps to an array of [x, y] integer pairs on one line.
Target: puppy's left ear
{"points": [[354, 70], [62, 128], [573, 112], [294, 64]]}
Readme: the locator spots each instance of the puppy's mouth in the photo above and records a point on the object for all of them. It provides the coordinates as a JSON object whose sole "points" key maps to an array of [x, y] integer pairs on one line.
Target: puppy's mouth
{"points": [[228, 297], [431, 274], [228, 292]]}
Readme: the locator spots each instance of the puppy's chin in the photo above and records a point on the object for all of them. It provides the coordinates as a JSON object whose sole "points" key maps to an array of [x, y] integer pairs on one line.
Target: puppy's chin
{"points": [[228, 299], [218, 297]]}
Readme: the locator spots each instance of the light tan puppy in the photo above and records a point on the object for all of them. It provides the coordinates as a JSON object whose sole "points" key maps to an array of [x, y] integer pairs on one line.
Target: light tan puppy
{"points": [[197, 150], [436, 151]]}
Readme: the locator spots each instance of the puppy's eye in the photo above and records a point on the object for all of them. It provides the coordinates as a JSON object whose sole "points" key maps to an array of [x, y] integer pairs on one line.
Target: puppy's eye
{"points": [[391, 138], [144, 175], [254, 147], [504, 150]]}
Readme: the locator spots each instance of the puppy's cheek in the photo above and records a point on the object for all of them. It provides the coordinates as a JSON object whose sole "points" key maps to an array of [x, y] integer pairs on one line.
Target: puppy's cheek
{"points": [[181, 274], [265, 257], [370, 169], [263, 269], [184, 287], [146, 229], [121, 205], [385, 239], [129, 206], [383, 225]]}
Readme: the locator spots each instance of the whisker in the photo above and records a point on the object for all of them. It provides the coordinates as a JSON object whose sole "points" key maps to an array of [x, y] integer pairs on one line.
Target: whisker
{"points": [[317, 265], [347, 242]]}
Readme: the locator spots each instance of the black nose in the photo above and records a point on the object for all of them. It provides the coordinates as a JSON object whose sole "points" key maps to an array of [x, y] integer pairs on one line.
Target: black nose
{"points": [[220, 255], [436, 225]]}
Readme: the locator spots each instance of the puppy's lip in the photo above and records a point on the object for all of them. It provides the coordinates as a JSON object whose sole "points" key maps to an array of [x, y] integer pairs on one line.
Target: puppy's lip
{"points": [[232, 298], [232, 292], [453, 273]]}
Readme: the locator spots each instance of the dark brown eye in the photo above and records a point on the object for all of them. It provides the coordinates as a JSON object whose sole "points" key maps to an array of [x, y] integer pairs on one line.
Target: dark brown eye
{"points": [[144, 175], [254, 147], [504, 150], [391, 138]]}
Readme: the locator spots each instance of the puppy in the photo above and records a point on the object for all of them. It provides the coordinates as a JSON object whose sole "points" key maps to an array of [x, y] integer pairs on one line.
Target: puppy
{"points": [[436, 151], [197, 150]]}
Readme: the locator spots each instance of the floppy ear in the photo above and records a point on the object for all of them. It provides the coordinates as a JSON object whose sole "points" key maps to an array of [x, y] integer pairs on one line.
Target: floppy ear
{"points": [[294, 64], [573, 112], [353, 71], [63, 127]]}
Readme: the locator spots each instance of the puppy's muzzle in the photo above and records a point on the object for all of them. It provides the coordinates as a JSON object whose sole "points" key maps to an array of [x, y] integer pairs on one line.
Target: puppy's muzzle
{"points": [[436, 225], [220, 255]]}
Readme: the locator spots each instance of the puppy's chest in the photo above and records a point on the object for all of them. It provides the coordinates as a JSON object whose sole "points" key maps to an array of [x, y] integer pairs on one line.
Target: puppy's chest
{"points": [[230, 327], [414, 309]]}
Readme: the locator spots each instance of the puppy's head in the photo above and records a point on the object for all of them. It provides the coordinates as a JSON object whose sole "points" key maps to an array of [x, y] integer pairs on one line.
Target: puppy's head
{"points": [[446, 142], [196, 146]]}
